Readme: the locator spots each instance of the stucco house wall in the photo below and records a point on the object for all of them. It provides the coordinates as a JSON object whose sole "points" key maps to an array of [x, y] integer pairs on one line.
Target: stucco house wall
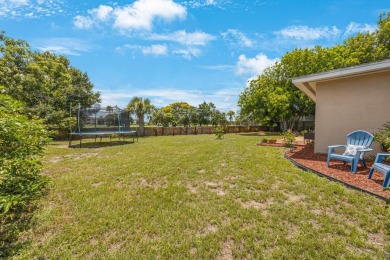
{"points": [[361, 102], [349, 99]]}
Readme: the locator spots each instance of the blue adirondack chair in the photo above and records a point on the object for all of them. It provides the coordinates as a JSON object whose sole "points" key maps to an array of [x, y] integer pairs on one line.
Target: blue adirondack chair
{"points": [[381, 167], [358, 143]]}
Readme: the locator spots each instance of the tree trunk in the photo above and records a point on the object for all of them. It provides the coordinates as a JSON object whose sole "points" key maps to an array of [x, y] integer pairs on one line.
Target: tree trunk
{"points": [[141, 126]]}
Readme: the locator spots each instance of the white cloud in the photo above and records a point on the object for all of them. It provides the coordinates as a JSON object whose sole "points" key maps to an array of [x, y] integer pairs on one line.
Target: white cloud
{"points": [[353, 28], [156, 49], [63, 46], [188, 53], [11, 9], [253, 66], [16, 2], [140, 15], [182, 37], [160, 50], [101, 13], [236, 37], [303, 32], [81, 22]]}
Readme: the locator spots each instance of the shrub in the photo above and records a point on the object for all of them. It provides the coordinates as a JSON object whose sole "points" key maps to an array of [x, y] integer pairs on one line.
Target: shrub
{"points": [[383, 137], [289, 139], [22, 141], [219, 132]]}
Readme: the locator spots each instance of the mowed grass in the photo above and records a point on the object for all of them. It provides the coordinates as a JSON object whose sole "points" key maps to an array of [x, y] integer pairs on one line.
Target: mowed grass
{"points": [[194, 197]]}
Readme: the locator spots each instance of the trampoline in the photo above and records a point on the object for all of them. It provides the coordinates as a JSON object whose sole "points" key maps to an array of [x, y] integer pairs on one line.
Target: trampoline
{"points": [[97, 122]]}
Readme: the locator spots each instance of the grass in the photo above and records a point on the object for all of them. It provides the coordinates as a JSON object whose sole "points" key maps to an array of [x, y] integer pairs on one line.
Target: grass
{"points": [[196, 197]]}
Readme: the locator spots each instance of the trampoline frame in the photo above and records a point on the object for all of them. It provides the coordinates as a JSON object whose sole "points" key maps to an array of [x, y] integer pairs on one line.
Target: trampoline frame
{"points": [[119, 131], [121, 135]]}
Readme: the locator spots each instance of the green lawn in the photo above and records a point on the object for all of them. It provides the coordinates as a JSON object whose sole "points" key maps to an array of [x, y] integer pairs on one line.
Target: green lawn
{"points": [[196, 197]]}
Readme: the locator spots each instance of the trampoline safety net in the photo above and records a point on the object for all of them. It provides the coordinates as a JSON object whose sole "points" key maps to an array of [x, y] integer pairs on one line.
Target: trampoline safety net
{"points": [[101, 119]]}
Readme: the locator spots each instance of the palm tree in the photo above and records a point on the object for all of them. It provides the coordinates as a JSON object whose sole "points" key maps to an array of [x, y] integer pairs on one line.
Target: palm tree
{"points": [[140, 107], [109, 109], [230, 114], [158, 116]]}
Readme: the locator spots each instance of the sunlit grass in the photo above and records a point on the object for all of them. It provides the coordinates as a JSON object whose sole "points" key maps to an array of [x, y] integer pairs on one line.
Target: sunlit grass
{"points": [[196, 197]]}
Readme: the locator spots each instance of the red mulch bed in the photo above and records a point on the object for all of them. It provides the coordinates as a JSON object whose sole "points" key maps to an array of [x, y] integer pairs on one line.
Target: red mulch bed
{"points": [[305, 156]]}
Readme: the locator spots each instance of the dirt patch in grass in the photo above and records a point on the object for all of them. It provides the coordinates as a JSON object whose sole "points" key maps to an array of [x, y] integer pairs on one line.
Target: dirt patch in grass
{"points": [[80, 156], [191, 188], [227, 250], [209, 229], [154, 184], [212, 228], [212, 184], [193, 251], [219, 192], [94, 241], [97, 184], [215, 187], [295, 198], [292, 230], [263, 206], [378, 239], [115, 247], [55, 159]]}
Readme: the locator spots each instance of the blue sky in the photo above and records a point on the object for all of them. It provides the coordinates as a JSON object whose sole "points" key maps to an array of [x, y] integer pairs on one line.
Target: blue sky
{"points": [[181, 50]]}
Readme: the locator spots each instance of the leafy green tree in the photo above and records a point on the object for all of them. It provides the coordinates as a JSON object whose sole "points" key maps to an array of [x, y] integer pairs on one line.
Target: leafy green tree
{"points": [[140, 107], [230, 115], [383, 33], [177, 113], [45, 82], [272, 98], [204, 113], [22, 143], [109, 109], [218, 118], [158, 116]]}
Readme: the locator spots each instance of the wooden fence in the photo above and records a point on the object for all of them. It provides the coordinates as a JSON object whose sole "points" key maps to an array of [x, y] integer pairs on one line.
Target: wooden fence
{"points": [[179, 130]]}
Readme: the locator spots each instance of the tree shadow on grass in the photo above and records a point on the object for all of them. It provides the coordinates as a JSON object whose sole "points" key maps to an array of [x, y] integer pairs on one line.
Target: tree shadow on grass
{"points": [[100, 145], [10, 232], [248, 134], [257, 134]]}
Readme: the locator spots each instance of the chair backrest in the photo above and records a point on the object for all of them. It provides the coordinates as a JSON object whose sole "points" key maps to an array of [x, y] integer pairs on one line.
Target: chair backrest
{"points": [[360, 137]]}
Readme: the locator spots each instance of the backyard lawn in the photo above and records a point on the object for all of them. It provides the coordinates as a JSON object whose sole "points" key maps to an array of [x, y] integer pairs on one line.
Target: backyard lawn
{"points": [[196, 197]]}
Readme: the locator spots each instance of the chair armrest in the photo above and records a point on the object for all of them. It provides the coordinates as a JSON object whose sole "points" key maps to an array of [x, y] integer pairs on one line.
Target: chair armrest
{"points": [[365, 150], [337, 146], [359, 152], [380, 156], [332, 147]]}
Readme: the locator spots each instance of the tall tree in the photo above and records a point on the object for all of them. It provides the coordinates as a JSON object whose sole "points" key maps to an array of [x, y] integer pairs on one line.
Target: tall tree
{"points": [[140, 107], [158, 116], [204, 113], [230, 115], [45, 82], [272, 98], [176, 113]]}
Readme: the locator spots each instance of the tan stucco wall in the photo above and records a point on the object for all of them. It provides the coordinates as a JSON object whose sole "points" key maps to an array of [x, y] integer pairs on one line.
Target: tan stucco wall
{"points": [[356, 103]]}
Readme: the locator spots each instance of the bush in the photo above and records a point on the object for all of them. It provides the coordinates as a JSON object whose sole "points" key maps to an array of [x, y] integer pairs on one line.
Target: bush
{"points": [[219, 132], [22, 141], [383, 137], [289, 139]]}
